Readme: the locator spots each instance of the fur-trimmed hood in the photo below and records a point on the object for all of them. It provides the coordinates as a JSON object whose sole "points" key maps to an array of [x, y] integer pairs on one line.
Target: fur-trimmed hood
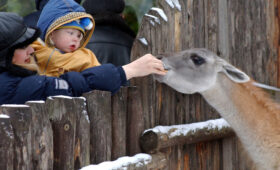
{"points": [[59, 12]]}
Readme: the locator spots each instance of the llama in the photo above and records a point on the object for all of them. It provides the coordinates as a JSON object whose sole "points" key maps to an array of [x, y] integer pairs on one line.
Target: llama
{"points": [[251, 113]]}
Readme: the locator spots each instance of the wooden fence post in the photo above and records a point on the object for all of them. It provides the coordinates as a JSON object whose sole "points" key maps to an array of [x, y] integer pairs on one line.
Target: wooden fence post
{"points": [[20, 116], [135, 116], [99, 111], [82, 137], [42, 136], [63, 119], [6, 143], [119, 123]]}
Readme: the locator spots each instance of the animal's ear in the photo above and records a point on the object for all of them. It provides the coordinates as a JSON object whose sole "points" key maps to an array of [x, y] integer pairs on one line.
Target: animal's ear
{"points": [[235, 74]]}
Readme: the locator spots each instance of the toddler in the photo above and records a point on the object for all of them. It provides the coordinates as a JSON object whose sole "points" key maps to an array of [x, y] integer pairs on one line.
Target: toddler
{"points": [[66, 30]]}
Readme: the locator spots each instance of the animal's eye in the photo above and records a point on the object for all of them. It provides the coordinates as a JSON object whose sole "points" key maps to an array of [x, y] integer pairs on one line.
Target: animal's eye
{"points": [[197, 60]]}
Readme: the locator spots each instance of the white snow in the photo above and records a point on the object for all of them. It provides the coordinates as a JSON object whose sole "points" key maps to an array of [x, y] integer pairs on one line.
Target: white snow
{"points": [[84, 112], [156, 19], [122, 162], [14, 105], [4, 116], [36, 101], [173, 3], [152, 23], [60, 96], [160, 12], [143, 41], [178, 130]]}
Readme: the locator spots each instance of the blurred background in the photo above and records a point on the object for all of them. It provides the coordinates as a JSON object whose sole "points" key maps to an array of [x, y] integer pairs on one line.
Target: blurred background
{"points": [[134, 8]]}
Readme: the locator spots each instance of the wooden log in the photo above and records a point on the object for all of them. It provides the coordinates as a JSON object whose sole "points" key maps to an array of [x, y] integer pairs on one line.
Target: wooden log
{"points": [[20, 116], [63, 119], [139, 161], [6, 143], [82, 137], [99, 111], [135, 117], [161, 137], [119, 123], [42, 136]]}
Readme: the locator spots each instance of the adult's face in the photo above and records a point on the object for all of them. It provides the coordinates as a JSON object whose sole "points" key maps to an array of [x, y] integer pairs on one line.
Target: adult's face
{"points": [[23, 55]]}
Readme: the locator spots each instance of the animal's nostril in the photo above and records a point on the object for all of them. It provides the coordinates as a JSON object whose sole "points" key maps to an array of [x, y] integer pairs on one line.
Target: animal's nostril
{"points": [[159, 57]]}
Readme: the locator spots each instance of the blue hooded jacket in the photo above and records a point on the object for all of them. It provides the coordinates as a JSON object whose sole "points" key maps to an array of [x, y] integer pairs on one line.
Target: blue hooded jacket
{"points": [[55, 9]]}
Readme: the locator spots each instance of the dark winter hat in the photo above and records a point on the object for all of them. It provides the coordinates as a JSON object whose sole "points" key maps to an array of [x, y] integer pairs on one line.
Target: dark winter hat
{"points": [[13, 34], [104, 6]]}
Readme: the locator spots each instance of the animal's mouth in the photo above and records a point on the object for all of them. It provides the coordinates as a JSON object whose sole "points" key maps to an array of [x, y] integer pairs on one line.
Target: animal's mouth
{"points": [[166, 68]]}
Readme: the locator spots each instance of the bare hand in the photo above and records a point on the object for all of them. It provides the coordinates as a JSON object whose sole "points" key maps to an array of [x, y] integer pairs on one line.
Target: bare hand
{"points": [[143, 66]]}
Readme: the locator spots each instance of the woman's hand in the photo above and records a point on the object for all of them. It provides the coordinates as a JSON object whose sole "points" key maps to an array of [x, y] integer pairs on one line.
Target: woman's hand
{"points": [[143, 66]]}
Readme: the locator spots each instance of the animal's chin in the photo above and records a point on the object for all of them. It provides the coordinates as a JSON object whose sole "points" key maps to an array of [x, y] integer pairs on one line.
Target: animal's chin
{"points": [[158, 78]]}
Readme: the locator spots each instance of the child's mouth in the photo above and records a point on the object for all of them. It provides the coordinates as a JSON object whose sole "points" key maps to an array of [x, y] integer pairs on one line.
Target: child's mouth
{"points": [[72, 47]]}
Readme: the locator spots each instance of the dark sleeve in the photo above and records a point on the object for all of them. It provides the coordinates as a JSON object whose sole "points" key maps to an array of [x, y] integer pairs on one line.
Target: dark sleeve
{"points": [[39, 88], [106, 77], [77, 82]]}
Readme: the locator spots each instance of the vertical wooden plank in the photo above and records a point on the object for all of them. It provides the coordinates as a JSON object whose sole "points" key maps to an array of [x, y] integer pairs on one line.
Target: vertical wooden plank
{"points": [[82, 136], [42, 136], [6, 143], [63, 119], [20, 116], [99, 111], [119, 123], [135, 119]]}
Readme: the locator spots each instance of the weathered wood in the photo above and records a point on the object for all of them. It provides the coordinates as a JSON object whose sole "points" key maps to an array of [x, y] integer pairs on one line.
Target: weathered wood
{"points": [[135, 121], [20, 116], [63, 119], [42, 137], [166, 136], [82, 136], [119, 123], [99, 111], [6, 143]]}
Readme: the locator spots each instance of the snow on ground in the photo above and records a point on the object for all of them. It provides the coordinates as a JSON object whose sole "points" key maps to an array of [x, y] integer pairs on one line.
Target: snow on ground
{"points": [[122, 163]]}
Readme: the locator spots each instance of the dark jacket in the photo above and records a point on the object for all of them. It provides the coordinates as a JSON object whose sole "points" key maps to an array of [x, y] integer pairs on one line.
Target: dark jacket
{"points": [[112, 38], [19, 85], [17, 89], [32, 18]]}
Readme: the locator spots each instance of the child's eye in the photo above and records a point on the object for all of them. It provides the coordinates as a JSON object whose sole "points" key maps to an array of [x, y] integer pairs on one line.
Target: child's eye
{"points": [[70, 32], [80, 36]]}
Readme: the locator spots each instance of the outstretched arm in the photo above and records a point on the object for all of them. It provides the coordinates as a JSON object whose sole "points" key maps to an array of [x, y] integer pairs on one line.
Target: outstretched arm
{"points": [[143, 66]]}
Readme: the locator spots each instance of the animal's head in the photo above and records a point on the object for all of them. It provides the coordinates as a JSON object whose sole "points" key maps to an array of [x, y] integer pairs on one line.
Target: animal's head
{"points": [[196, 70]]}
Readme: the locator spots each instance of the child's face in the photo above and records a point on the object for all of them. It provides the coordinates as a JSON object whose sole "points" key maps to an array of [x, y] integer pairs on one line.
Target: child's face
{"points": [[67, 39], [23, 55]]}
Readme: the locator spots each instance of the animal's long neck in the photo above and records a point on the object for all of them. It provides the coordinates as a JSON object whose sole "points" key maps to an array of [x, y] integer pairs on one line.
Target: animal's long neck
{"points": [[252, 115]]}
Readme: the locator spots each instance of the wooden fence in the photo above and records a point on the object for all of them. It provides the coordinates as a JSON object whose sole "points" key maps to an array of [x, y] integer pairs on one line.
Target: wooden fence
{"points": [[70, 133]]}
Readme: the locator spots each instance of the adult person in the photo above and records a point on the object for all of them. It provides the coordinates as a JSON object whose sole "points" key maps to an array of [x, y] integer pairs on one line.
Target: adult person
{"points": [[20, 83], [112, 38]]}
